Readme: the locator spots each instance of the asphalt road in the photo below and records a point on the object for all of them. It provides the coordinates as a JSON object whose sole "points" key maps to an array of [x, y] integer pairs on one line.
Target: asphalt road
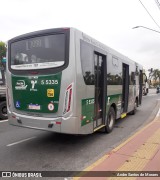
{"points": [[24, 149]]}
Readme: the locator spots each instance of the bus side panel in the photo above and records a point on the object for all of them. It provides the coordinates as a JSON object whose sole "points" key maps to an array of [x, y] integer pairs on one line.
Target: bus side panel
{"points": [[114, 83], [70, 121], [84, 93], [134, 87]]}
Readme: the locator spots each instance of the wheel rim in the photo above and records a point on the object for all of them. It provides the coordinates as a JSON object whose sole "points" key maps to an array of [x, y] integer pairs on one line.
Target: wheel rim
{"points": [[4, 111]]}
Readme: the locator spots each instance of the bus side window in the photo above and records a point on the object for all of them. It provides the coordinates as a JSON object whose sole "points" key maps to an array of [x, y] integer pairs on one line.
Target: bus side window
{"points": [[87, 63], [114, 76]]}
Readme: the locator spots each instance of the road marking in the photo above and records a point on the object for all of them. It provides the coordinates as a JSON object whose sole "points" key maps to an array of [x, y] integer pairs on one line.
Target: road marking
{"points": [[3, 121], [18, 142], [89, 168]]}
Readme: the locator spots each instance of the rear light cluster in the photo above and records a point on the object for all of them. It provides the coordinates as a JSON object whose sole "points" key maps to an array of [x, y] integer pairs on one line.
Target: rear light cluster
{"points": [[68, 99]]}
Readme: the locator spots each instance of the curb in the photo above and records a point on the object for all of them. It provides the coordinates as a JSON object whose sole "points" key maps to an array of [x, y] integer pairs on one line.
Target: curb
{"points": [[154, 115]]}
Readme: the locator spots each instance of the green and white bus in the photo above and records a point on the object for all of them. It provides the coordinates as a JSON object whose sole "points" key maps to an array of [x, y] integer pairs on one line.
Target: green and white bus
{"points": [[64, 81]]}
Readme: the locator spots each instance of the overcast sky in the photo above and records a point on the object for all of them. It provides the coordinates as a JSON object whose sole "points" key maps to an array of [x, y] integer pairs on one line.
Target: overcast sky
{"points": [[108, 21]]}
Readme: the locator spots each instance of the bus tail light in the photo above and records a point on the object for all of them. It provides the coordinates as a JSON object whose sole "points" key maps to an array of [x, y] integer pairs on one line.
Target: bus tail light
{"points": [[68, 98]]}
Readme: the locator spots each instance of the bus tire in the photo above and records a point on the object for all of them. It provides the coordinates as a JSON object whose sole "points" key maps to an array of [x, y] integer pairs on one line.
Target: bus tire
{"points": [[3, 110], [110, 120]]}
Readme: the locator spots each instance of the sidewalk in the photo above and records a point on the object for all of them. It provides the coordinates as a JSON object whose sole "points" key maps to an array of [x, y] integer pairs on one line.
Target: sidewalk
{"points": [[141, 152]]}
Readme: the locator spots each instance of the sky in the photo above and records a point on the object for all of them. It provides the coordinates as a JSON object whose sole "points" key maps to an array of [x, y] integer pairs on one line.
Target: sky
{"points": [[108, 21]]}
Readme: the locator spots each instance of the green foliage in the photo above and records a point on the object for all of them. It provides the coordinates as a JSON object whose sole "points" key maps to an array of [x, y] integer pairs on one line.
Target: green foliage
{"points": [[2, 50], [2, 53], [156, 74], [155, 77]]}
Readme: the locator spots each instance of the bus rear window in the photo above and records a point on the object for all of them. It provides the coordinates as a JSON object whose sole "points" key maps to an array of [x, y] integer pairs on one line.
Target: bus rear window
{"points": [[38, 52]]}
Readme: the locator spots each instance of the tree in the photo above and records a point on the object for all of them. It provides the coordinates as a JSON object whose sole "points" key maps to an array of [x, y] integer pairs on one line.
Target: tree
{"points": [[156, 76], [2, 51]]}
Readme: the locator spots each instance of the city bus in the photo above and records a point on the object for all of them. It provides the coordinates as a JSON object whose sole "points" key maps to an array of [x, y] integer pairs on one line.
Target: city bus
{"points": [[64, 81]]}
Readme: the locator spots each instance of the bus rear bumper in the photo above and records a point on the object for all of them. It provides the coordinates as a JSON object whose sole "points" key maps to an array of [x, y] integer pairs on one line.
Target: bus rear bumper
{"points": [[58, 124]]}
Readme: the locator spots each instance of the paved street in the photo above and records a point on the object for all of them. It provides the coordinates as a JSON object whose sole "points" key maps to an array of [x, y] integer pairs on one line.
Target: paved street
{"points": [[27, 149]]}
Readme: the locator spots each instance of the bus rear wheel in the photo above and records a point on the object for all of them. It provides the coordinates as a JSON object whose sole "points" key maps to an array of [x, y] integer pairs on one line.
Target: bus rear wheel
{"points": [[110, 120]]}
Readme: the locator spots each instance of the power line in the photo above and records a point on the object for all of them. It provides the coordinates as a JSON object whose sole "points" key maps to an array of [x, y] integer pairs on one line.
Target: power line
{"points": [[149, 13], [158, 3]]}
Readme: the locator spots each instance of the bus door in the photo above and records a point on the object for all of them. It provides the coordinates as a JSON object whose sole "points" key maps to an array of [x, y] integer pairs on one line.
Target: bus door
{"points": [[100, 90], [125, 90]]}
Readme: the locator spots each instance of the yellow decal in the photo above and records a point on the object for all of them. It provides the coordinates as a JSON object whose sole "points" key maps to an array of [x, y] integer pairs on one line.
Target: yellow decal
{"points": [[50, 92]]}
